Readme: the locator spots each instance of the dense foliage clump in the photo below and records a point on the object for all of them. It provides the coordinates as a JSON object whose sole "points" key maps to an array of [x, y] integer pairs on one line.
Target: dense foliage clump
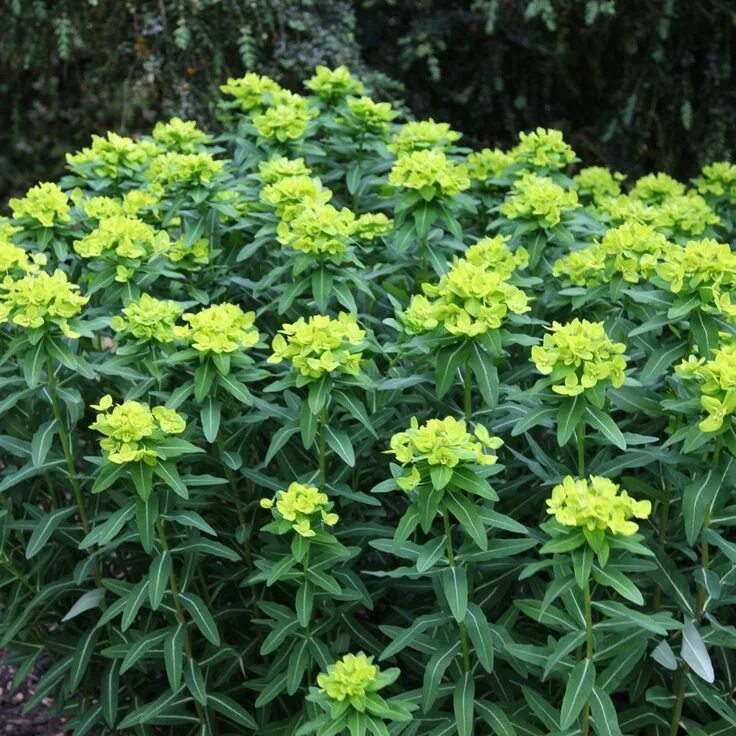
{"points": [[328, 424]]}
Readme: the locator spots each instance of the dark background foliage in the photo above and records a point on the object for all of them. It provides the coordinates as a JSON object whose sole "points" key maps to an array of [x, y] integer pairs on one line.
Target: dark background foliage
{"points": [[627, 81]]}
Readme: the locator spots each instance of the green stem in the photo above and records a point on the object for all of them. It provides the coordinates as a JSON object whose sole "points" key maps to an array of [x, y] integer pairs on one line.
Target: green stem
{"points": [[451, 559], [66, 445], [581, 449], [323, 449], [233, 483], [588, 649], [680, 699], [704, 549], [468, 388]]}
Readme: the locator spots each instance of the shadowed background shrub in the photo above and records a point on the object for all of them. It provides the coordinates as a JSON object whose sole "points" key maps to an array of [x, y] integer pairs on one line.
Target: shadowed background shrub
{"points": [[638, 85]]}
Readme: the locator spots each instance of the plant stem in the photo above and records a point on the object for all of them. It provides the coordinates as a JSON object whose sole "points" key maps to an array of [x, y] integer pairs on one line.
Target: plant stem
{"points": [[323, 449], [588, 649], [66, 445], [451, 559], [468, 387], [704, 550], [677, 710], [233, 482], [581, 449]]}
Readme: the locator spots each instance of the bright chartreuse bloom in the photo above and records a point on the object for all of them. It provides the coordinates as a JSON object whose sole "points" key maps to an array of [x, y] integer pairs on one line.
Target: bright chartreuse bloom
{"points": [[40, 299], [578, 355], [98, 208], [352, 678], [173, 169], [431, 173], [303, 506], [252, 91], [717, 181], [543, 149], [684, 216], [286, 121], [320, 345], [631, 250], [596, 504], [45, 205], [624, 208], [290, 194], [420, 135], [334, 84], [717, 379], [7, 229], [132, 429], [703, 268], [281, 167], [221, 328], [150, 319], [538, 198], [656, 188], [191, 256], [441, 442], [371, 225], [368, 115], [114, 156], [317, 230], [474, 296], [596, 182], [15, 260], [180, 135], [488, 163]]}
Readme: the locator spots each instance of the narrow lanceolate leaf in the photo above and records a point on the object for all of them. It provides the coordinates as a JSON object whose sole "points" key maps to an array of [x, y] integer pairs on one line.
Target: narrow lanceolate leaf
{"points": [[201, 616], [173, 650], [41, 442], [577, 692], [210, 417], [602, 422], [89, 600], [696, 500], [195, 681], [232, 710], [664, 655], [158, 578], [615, 579], [569, 418], [454, 582], [496, 718], [109, 693], [462, 702], [479, 632], [341, 444], [449, 361], [146, 513], [434, 672], [82, 655], [603, 713], [659, 361], [33, 363], [44, 529], [695, 654], [170, 475]]}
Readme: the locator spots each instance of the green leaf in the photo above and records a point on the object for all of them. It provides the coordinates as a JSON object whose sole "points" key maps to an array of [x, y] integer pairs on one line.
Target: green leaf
{"points": [[615, 579], [146, 513], [191, 519], [208, 547], [569, 417], [340, 443], [204, 377], [603, 713], [467, 514], [319, 391], [133, 603], [107, 475], [695, 654], [659, 361], [109, 693], [321, 288], [158, 578], [236, 389], [195, 681], [27, 472], [531, 419], [449, 361], [232, 710], [486, 374], [109, 529], [142, 475], [86, 602], [41, 442], [210, 417], [201, 616], [435, 671], [83, 651], [45, 527], [454, 583], [356, 408], [606, 426], [173, 651], [430, 553], [577, 692], [495, 717], [304, 603], [33, 363], [479, 632], [170, 475], [697, 498], [462, 702]]}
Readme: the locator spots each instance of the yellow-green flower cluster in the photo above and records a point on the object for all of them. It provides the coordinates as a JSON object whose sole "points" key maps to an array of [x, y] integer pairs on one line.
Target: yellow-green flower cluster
{"points": [[441, 442], [304, 506], [350, 678], [40, 299], [196, 254], [180, 135], [539, 198], [7, 229], [333, 84], [45, 203], [705, 267], [488, 163], [687, 215], [291, 193], [371, 116], [150, 319], [14, 259], [221, 328], [252, 91], [318, 230], [718, 180], [100, 207], [578, 355], [285, 121], [320, 345], [597, 182], [372, 224], [656, 188], [126, 238], [131, 429], [173, 168], [632, 251], [596, 504], [282, 167], [717, 379], [431, 173], [112, 155], [624, 208], [543, 149], [473, 296], [421, 135]]}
